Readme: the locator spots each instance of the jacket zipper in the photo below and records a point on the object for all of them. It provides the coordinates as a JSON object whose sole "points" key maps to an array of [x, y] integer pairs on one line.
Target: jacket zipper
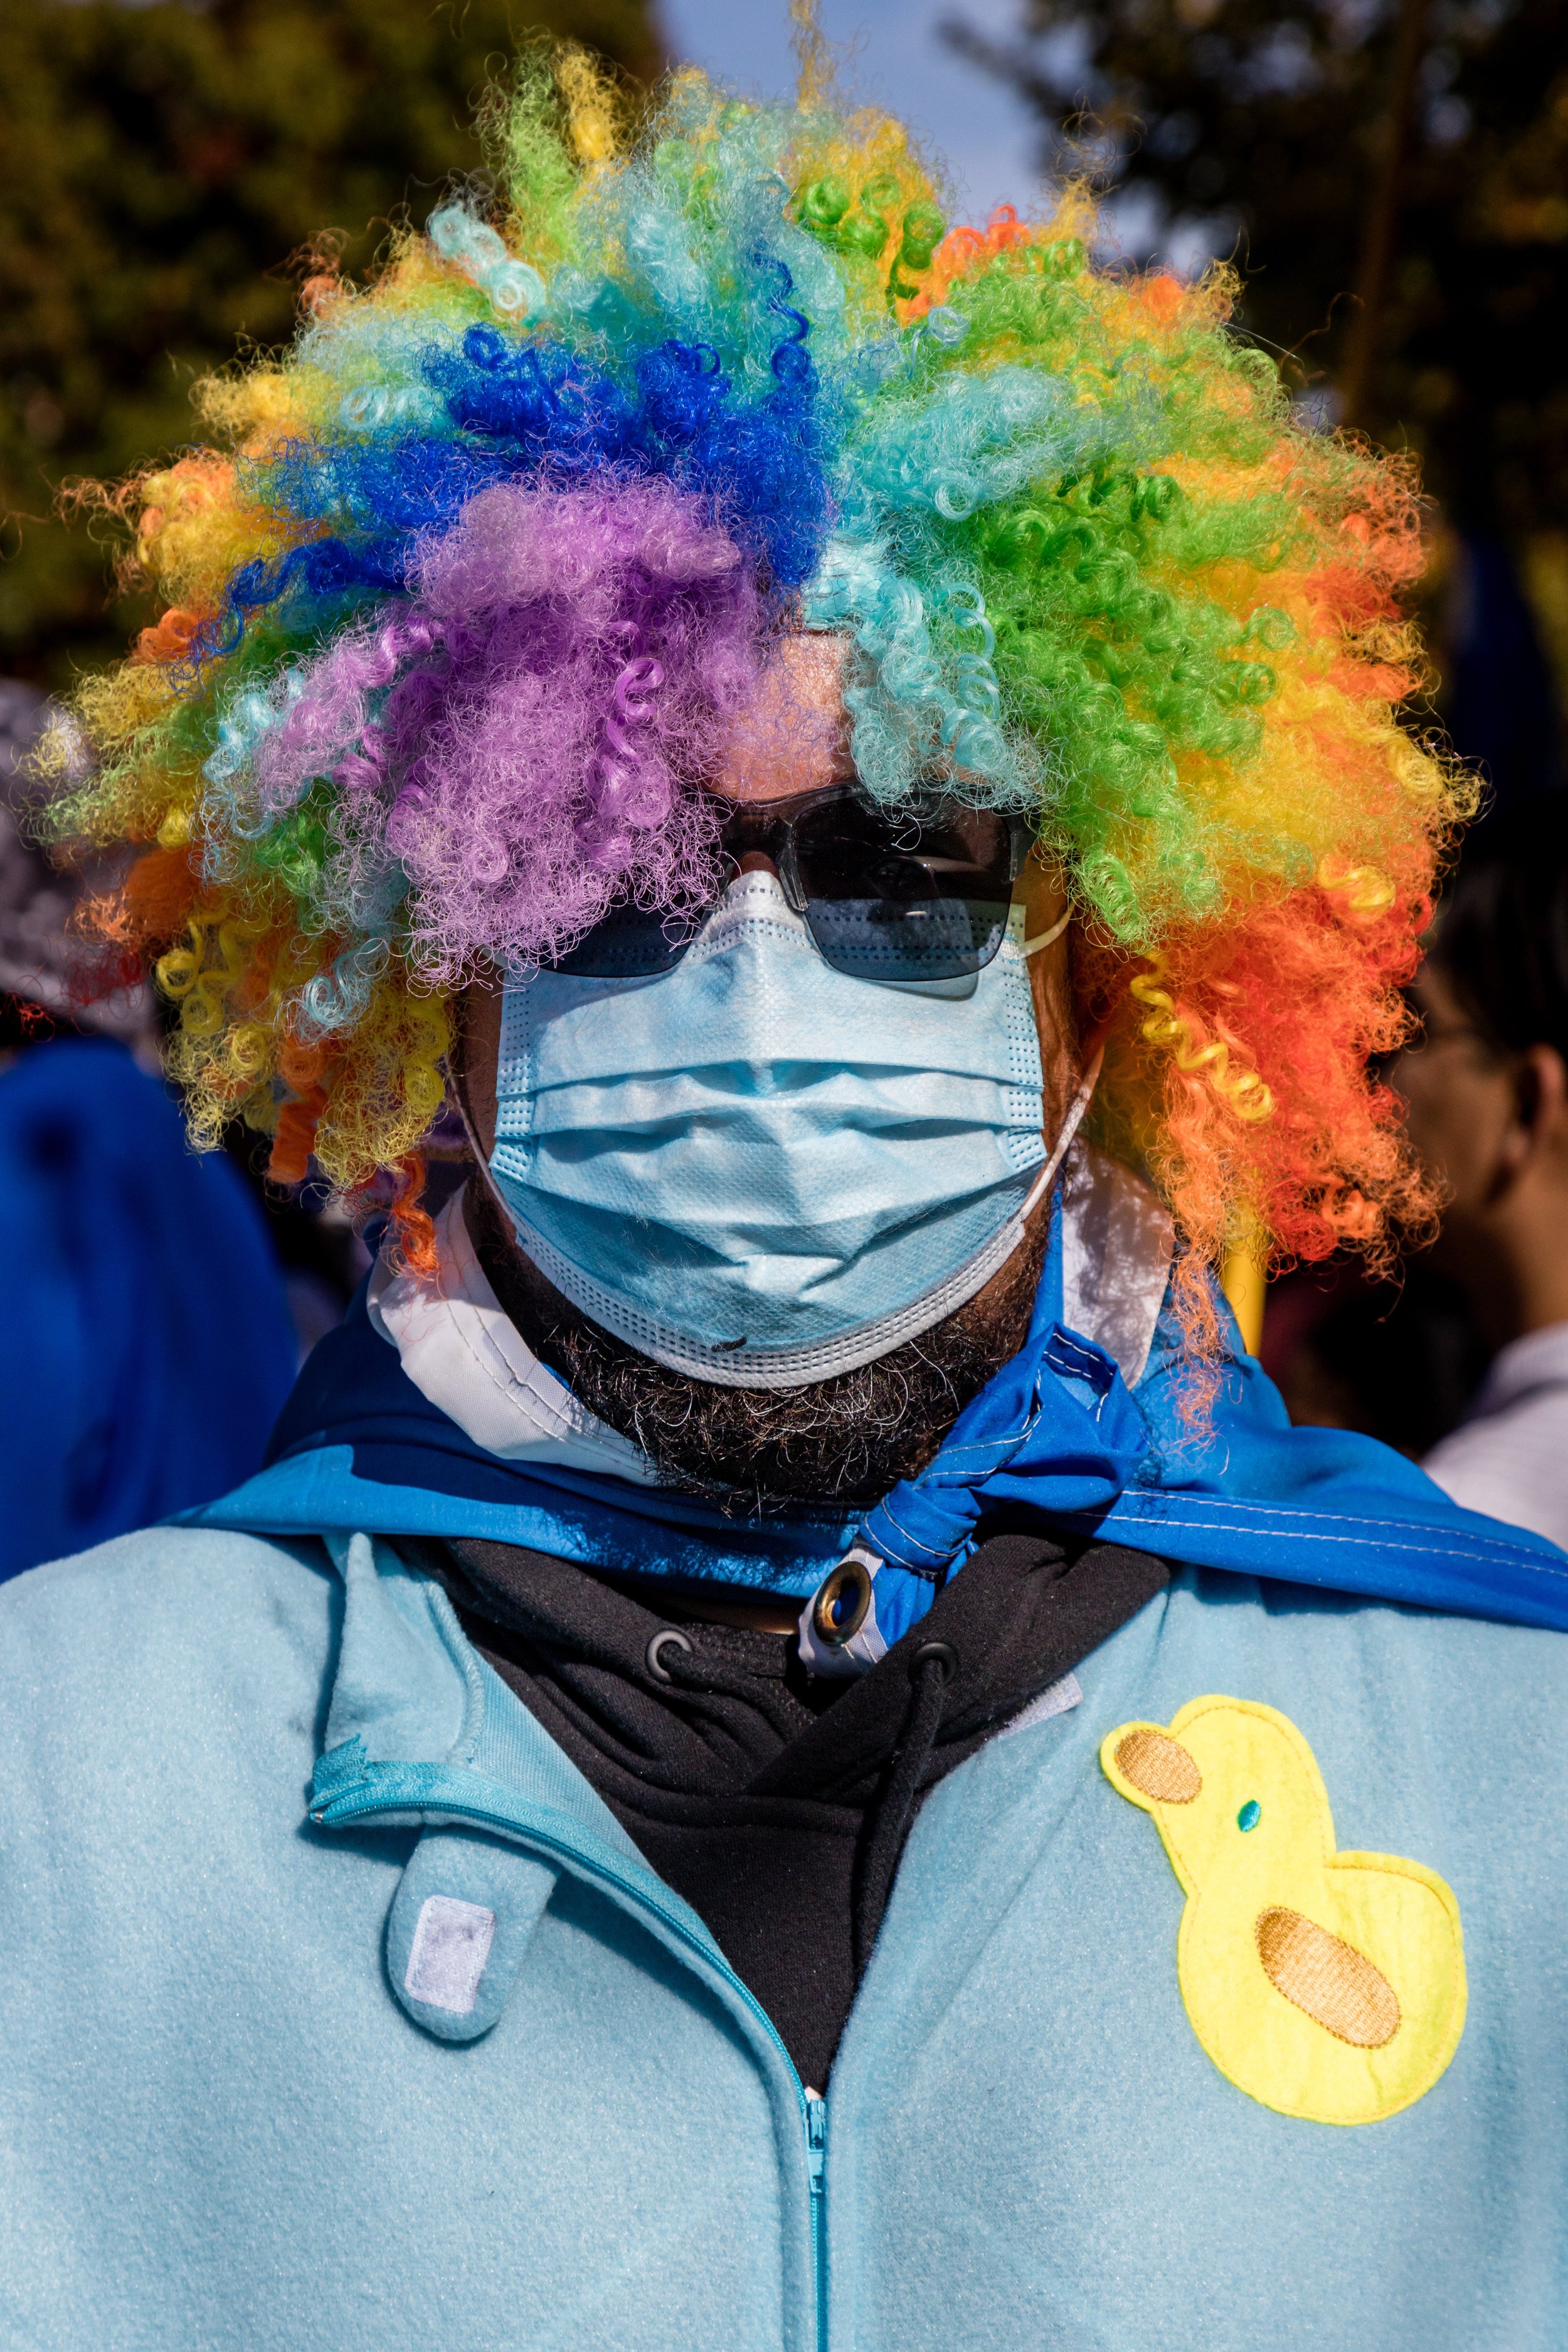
{"points": [[816, 2159], [330, 1811]]}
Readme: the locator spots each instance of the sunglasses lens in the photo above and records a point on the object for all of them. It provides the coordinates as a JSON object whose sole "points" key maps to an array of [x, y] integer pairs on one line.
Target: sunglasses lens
{"points": [[629, 944], [889, 895], [892, 897]]}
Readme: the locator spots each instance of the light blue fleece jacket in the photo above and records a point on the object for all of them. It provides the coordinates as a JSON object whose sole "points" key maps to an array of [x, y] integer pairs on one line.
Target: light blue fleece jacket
{"points": [[225, 2121]]}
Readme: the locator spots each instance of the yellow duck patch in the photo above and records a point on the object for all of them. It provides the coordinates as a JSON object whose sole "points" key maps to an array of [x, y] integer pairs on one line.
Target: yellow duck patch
{"points": [[1330, 1986]]}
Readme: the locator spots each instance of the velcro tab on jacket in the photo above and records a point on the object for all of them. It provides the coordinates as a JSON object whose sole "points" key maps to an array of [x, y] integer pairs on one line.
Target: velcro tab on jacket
{"points": [[458, 1926]]}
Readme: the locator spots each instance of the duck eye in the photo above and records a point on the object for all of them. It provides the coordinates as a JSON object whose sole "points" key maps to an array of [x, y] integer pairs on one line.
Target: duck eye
{"points": [[1250, 1815]]}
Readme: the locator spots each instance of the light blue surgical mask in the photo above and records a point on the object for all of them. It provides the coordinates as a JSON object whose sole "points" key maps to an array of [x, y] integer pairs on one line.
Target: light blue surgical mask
{"points": [[757, 1169]]}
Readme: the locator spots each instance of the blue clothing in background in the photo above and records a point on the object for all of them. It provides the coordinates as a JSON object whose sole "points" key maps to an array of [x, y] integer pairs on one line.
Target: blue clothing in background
{"points": [[145, 1344]]}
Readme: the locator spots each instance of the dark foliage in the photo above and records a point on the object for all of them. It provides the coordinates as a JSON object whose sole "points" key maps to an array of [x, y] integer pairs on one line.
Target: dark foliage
{"points": [[161, 171]]}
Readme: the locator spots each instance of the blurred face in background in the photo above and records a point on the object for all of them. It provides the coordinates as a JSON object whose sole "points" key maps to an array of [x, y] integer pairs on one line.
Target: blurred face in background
{"points": [[1490, 1125], [1459, 1097]]}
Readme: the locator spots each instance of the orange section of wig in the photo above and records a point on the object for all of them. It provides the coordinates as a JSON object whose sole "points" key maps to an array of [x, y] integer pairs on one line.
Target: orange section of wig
{"points": [[1300, 990]]}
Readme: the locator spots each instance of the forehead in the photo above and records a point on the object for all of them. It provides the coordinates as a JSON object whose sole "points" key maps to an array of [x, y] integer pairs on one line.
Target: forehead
{"points": [[793, 734]]}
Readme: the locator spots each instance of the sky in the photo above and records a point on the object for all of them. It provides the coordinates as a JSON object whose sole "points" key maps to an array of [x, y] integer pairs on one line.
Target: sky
{"points": [[986, 133]]}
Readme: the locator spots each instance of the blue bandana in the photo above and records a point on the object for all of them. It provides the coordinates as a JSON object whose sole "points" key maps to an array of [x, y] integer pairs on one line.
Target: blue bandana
{"points": [[1056, 1436]]}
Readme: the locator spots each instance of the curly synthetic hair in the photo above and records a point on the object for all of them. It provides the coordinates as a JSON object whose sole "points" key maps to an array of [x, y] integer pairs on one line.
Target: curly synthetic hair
{"points": [[461, 608]]}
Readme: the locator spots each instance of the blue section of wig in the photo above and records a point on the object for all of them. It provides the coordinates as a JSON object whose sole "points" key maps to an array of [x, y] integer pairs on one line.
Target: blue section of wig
{"points": [[515, 409], [716, 351]]}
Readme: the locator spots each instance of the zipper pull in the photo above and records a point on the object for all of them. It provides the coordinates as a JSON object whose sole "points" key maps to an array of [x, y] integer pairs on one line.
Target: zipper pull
{"points": [[816, 2142], [816, 2168]]}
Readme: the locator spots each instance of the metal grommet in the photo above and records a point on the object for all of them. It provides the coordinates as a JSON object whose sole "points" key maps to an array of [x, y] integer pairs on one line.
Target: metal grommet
{"points": [[667, 1638], [939, 1654], [843, 1603]]}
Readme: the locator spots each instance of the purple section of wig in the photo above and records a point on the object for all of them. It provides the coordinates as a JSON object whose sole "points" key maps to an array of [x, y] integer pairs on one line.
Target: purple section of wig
{"points": [[522, 739]]}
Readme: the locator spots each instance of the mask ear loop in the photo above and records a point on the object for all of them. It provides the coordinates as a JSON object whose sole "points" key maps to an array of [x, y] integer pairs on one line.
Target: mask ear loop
{"points": [[1094, 1048], [1047, 938], [457, 1098], [1075, 1108]]}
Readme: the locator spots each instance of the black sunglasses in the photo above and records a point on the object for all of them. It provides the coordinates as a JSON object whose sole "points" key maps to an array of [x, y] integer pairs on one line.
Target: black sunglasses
{"points": [[908, 893]]}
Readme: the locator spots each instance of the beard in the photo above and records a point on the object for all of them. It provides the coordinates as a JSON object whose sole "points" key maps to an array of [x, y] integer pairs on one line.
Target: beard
{"points": [[845, 1439]]}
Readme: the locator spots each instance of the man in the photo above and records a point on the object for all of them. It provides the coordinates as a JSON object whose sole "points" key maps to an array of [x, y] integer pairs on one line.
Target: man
{"points": [[1487, 1086], [630, 1831]]}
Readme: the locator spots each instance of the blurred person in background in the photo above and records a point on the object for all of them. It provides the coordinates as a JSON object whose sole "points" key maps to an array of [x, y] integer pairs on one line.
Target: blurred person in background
{"points": [[1487, 1090], [147, 1339]]}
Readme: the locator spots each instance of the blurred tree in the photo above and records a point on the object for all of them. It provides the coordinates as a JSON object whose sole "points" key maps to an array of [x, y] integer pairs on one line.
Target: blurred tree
{"points": [[1393, 176], [159, 166]]}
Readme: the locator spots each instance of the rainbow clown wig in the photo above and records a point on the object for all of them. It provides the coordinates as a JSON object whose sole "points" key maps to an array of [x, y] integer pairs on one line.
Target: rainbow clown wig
{"points": [[474, 579]]}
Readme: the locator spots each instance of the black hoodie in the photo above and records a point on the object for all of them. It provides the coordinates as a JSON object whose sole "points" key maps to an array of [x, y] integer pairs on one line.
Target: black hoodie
{"points": [[777, 1803]]}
